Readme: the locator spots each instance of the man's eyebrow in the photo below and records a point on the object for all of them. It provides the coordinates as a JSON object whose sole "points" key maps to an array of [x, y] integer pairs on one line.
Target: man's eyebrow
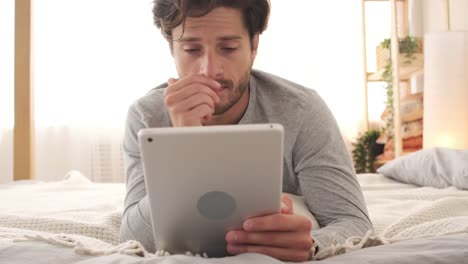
{"points": [[234, 37], [223, 38], [189, 39]]}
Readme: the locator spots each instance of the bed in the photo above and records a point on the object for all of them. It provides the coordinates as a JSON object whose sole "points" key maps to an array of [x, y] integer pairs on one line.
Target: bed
{"points": [[77, 221]]}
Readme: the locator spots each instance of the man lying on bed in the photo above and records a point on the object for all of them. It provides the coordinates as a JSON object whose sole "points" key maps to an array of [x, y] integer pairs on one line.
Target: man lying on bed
{"points": [[214, 44]]}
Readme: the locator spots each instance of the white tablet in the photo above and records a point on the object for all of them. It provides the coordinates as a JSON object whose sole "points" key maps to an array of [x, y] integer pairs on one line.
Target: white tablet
{"points": [[204, 181]]}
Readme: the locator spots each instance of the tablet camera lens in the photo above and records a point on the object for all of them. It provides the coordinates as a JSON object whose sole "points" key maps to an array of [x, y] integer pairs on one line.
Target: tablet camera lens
{"points": [[150, 140]]}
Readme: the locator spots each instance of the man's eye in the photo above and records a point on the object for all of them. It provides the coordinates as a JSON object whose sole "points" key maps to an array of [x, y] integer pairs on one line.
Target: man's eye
{"points": [[191, 50], [229, 49]]}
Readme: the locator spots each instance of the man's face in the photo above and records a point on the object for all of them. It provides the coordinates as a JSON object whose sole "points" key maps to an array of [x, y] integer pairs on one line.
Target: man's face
{"points": [[217, 46]]}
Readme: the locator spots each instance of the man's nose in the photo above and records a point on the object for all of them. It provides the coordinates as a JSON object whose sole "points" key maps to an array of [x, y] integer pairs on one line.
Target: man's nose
{"points": [[210, 66]]}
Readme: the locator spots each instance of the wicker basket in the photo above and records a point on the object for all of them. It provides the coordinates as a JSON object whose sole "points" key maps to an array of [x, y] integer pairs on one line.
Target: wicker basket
{"points": [[383, 55]]}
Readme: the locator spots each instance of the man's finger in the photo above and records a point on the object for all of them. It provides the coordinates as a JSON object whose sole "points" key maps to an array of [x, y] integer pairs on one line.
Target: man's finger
{"points": [[298, 240], [193, 102], [278, 222], [192, 90], [171, 81], [202, 111], [183, 82], [286, 205], [283, 254]]}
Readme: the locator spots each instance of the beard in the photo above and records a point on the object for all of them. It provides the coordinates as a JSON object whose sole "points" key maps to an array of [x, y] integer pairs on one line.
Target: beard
{"points": [[235, 93]]}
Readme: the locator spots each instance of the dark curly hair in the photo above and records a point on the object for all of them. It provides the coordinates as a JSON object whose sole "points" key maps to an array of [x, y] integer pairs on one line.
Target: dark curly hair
{"points": [[168, 14]]}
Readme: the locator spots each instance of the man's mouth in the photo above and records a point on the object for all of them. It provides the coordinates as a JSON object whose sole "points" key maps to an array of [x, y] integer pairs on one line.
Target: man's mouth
{"points": [[225, 84], [218, 90]]}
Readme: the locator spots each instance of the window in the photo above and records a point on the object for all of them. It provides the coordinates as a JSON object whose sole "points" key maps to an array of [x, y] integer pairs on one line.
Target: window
{"points": [[6, 88], [94, 58]]}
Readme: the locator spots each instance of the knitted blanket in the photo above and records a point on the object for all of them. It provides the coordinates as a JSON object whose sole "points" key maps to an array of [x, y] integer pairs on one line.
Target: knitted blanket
{"points": [[86, 216], [401, 212], [74, 206]]}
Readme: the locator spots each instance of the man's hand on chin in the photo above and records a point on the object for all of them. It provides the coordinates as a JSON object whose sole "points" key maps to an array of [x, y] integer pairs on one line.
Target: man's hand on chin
{"points": [[284, 236]]}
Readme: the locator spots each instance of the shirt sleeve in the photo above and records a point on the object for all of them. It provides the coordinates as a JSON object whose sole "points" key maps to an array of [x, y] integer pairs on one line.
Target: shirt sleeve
{"points": [[136, 219], [327, 178]]}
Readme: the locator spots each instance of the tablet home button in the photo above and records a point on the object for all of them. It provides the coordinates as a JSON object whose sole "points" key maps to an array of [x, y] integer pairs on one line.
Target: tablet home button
{"points": [[216, 205]]}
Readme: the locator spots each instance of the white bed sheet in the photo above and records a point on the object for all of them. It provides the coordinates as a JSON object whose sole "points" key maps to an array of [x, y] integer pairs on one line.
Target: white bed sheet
{"points": [[405, 211], [89, 213], [74, 205]]}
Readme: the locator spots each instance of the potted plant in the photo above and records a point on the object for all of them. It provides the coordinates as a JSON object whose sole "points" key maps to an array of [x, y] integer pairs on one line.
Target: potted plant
{"points": [[366, 150]]}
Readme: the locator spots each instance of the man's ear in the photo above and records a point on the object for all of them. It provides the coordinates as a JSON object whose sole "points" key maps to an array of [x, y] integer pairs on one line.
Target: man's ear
{"points": [[255, 41]]}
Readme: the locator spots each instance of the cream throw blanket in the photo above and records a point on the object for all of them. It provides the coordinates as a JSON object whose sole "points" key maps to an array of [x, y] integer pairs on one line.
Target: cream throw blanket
{"points": [[83, 215]]}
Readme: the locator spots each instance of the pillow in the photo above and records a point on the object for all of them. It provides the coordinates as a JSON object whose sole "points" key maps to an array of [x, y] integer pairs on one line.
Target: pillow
{"points": [[436, 167]]}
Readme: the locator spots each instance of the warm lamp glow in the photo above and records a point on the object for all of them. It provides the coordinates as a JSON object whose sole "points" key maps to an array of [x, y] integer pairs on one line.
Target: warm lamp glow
{"points": [[445, 140], [446, 90]]}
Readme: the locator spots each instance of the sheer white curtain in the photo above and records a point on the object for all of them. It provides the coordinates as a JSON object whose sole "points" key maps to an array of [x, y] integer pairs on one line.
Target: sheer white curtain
{"points": [[7, 24], [93, 58]]}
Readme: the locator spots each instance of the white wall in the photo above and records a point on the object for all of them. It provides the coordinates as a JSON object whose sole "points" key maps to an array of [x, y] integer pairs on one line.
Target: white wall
{"points": [[325, 54], [459, 15], [445, 67], [435, 15], [416, 22]]}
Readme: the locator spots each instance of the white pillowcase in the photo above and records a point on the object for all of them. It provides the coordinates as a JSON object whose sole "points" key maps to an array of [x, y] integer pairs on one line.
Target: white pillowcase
{"points": [[436, 167]]}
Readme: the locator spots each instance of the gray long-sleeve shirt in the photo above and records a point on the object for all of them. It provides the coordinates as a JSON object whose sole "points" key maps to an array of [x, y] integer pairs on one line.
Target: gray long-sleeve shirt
{"points": [[316, 162]]}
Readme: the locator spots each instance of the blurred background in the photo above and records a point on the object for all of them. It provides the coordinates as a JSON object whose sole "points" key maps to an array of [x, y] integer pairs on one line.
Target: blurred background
{"points": [[92, 59]]}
